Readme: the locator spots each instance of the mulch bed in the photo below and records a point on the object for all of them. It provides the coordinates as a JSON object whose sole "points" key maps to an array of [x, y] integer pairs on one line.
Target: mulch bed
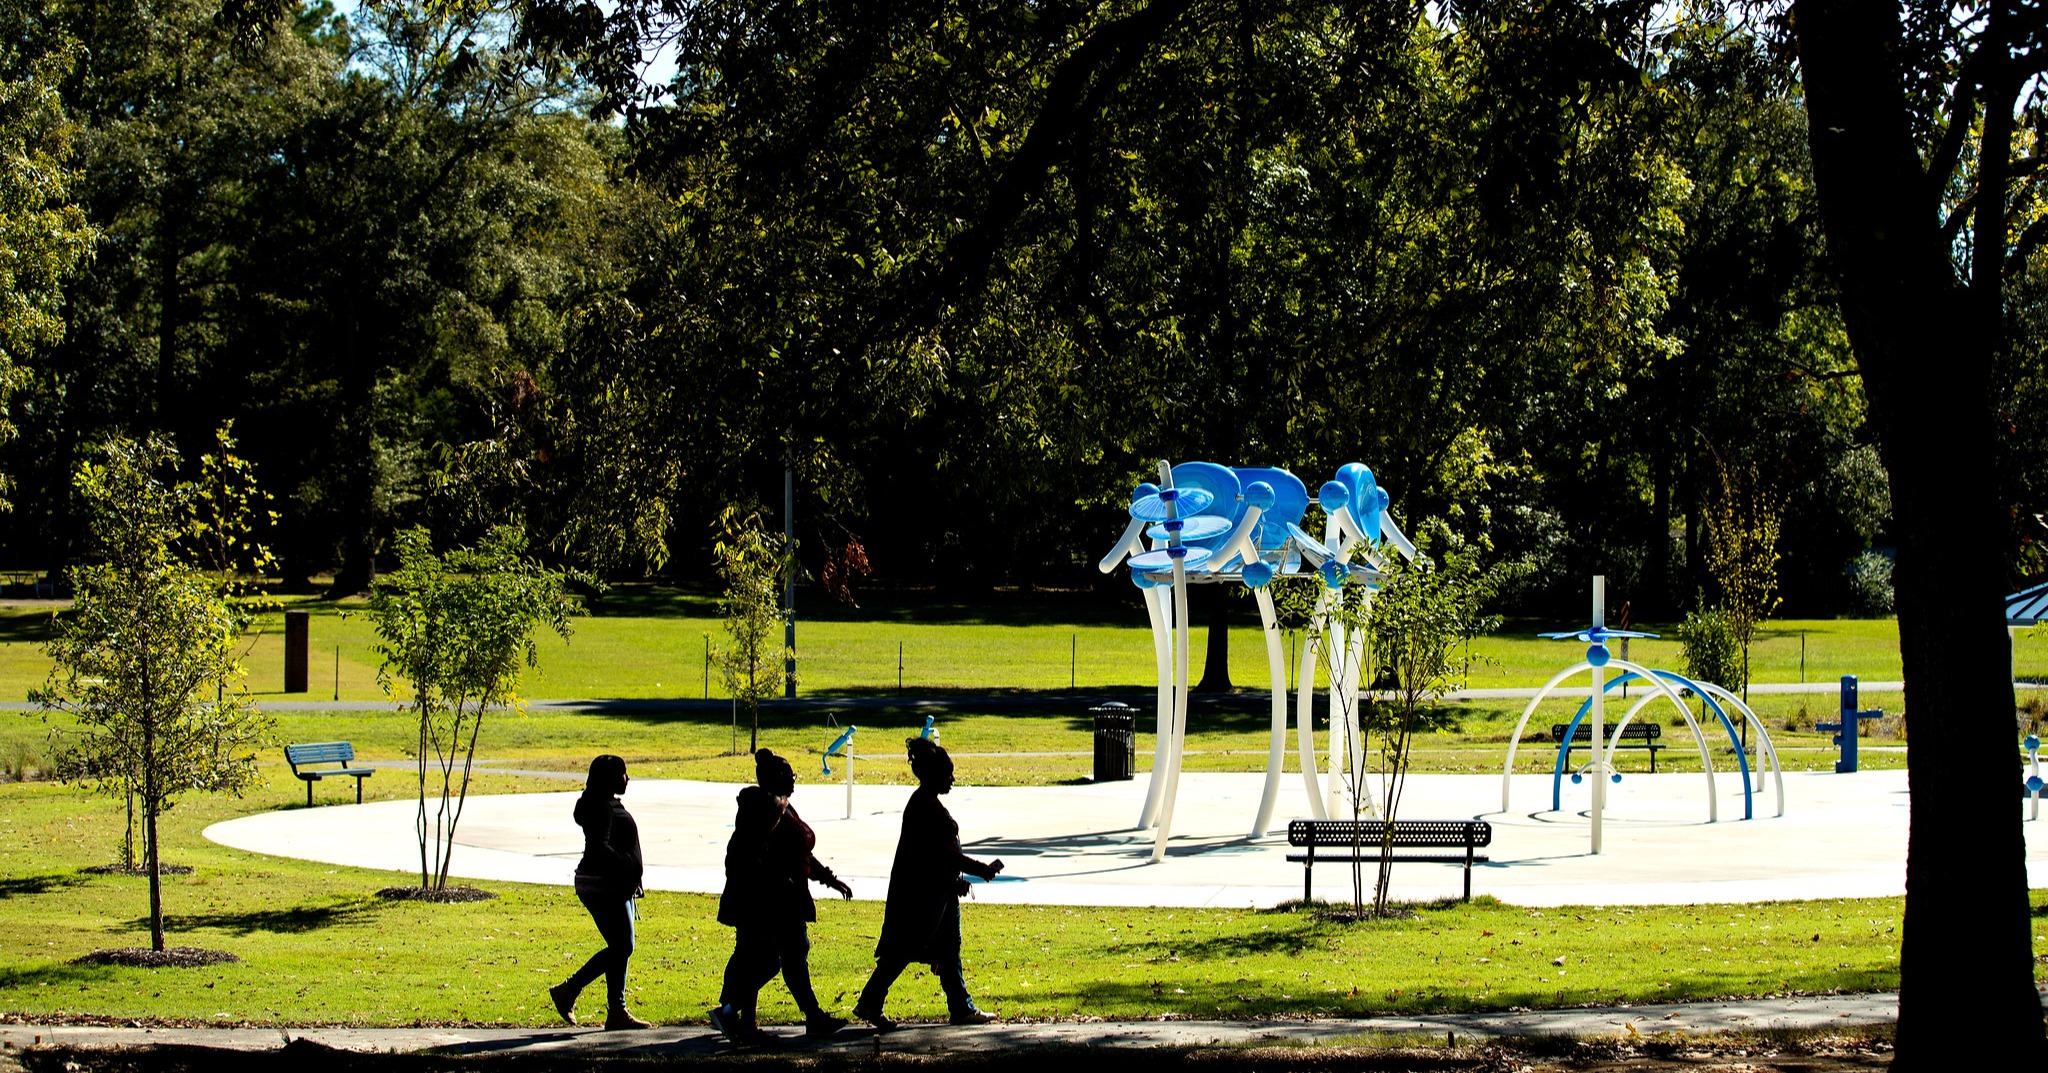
{"points": [[444, 896], [138, 870], [139, 957]]}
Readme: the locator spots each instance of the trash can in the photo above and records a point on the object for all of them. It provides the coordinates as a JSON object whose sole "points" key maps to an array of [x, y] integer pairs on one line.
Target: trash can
{"points": [[1116, 741]]}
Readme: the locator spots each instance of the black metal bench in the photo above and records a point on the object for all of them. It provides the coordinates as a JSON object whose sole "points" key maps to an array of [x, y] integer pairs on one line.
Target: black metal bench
{"points": [[1365, 840], [1636, 735], [326, 752]]}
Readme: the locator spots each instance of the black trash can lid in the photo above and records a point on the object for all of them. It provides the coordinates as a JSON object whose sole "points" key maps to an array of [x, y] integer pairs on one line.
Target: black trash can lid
{"points": [[1112, 706]]}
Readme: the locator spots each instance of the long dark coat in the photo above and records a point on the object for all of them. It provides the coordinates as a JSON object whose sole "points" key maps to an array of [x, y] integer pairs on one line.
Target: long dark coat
{"points": [[611, 842], [769, 867], [924, 882]]}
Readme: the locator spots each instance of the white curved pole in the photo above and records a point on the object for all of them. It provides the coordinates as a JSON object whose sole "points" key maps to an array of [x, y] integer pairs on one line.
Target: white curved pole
{"points": [[1180, 709], [1276, 668], [1699, 739], [1126, 546], [1305, 708], [1354, 742], [1340, 745], [1162, 734], [1240, 543], [1507, 771], [1394, 534], [1765, 744]]}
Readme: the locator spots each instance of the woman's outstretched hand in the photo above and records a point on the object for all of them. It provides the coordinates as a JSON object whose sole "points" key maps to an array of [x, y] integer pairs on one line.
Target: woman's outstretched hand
{"points": [[841, 886]]}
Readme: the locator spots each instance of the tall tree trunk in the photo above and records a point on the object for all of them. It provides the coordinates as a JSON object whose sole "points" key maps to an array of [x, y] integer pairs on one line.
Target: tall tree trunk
{"points": [[155, 864], [1925, 346], [170, 305], [1216, 654]]}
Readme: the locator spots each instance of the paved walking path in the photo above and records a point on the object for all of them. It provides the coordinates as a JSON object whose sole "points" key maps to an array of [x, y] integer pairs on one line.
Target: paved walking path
{"points": [[1076, 702], [696, 1040]]}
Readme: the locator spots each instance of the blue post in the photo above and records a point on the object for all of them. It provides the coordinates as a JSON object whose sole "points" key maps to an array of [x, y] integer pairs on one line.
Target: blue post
{"points": [[1845, 727]]}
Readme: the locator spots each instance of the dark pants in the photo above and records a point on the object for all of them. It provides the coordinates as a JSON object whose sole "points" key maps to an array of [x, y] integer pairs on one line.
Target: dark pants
{"points": [[942, 953], [759, 951], [614, 917]]}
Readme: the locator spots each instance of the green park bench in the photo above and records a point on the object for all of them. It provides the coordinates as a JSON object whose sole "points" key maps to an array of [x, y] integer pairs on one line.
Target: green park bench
{"points": [[326, 752]]}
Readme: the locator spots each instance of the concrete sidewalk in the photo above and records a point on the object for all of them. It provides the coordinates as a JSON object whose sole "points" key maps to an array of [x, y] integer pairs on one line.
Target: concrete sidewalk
{"points": [[1070, 702], [697, 1040]]}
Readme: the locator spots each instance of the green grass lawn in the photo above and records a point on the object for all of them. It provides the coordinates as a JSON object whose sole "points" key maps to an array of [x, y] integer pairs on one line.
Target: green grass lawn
{"points": [[1008, 747], [318, 948], [643, 645]]}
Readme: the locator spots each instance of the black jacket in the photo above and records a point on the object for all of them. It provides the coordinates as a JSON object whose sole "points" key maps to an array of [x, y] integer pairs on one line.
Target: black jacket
{"points": [[611, 841], [924, 880], [769, 867]]}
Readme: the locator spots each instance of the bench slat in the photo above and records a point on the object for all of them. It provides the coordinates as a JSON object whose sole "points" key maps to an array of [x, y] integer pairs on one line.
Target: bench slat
{"points": [[1584, 731], [320, 752]]}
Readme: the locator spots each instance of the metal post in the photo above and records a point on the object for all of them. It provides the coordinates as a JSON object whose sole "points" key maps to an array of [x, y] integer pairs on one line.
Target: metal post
{"points": [[1599, 712], [849, 778], [789, 572], [337, 672]]}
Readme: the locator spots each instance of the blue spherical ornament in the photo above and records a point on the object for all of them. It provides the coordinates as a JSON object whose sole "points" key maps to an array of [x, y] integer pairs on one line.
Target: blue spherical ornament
{"points": [[1577, 778], [1144, 490], [2032, 744], [1597, 655], [2034, 784], [1333, 495], [1616, 777], [1334, 573], [1259, 495], [1257, 575]]}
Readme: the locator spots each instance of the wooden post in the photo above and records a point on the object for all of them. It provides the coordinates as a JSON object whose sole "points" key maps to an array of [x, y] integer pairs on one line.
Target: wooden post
{"points": [[295, 632]]}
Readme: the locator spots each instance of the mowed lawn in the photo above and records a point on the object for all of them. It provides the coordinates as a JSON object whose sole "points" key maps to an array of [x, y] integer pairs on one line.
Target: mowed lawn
{"points": [[319, 948], [643, 645]]}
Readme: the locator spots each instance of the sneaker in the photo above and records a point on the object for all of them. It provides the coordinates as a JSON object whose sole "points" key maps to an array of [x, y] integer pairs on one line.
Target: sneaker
{"points": [[622, 1019], [823, 1025], [876, 1018], [730, 1025], [972, 1016], [565, 1001]]}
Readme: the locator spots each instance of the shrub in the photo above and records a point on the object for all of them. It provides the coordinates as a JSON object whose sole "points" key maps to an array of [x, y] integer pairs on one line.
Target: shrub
{"points": [[1707, 644], [1870, 583]]}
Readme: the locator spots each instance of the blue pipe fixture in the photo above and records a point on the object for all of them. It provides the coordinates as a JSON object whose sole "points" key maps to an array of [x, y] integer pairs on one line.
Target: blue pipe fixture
{"points": [[1845, 726]]}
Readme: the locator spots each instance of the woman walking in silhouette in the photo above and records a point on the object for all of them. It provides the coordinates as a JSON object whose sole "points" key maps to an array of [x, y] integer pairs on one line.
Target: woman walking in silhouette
{"points": [[922, 920], [607, 882], [769, 867]]}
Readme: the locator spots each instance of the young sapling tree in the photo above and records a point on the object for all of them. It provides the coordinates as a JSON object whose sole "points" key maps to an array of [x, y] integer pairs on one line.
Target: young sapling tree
{"points": [[753, 563], [455, 631], [146, 662]]}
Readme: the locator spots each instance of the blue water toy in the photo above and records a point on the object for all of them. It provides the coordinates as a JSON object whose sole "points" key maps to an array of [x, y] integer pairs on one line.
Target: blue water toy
{"points": [[931, 728], [1845, 726], [2033, 785], [1206, 523], [1663, 684], [839, 747]]}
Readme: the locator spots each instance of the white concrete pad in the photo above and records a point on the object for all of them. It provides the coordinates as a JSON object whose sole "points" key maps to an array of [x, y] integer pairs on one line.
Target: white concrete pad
{"points": [[1841, 836]]}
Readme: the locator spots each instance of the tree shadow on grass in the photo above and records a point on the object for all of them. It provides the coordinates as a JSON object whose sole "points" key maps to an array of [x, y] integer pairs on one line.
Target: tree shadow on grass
{"points": [[1249, 996], [52, 974], [24, 886], [296, 920]]}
